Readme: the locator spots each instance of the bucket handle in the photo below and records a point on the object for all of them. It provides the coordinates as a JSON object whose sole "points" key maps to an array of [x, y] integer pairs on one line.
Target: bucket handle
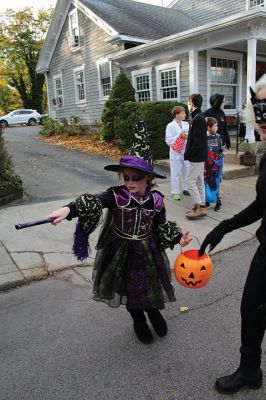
{"points": [[194, 237]]}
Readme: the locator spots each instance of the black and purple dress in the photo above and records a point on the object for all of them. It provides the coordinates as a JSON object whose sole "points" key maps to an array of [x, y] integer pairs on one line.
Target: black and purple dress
{"points": [[131, 266]]}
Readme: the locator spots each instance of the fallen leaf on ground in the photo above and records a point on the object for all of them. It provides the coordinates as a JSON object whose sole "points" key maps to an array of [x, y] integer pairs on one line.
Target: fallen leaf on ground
{"points": [[89, 143], [184, 309]]}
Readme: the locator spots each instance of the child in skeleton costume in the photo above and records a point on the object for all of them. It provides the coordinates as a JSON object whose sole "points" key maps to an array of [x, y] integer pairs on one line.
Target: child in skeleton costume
{"points": [[131, 266], [253, 305]]}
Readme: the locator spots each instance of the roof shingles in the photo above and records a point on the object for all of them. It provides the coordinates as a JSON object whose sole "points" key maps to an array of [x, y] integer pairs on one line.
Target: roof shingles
{"points": [[143, 20]]}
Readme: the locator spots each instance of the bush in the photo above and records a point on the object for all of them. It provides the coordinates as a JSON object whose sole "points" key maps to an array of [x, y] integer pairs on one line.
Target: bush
{"points": [[63, 127], [7, 173], [156, 114], [122, 92], [50, 127]]}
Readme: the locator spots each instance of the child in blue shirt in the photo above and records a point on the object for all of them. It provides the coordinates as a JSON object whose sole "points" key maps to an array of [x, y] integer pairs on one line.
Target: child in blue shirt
{"points": [[214, 164]]}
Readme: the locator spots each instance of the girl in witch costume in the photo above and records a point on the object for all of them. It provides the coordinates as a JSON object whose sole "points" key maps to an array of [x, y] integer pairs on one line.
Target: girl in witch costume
{"points": [[131, 266], [253, 305]]}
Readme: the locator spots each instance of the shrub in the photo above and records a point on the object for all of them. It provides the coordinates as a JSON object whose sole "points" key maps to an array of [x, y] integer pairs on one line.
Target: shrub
{"points": [[50, 127], [156, 114], [63, 127], [7, 173], [122, 92]]}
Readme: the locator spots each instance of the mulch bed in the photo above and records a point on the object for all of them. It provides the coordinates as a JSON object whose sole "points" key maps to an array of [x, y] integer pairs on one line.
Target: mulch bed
{"points": [[89, 143]]}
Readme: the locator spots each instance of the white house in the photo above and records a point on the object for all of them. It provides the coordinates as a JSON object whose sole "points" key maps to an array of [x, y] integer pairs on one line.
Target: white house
{"points": [[203, 46]]}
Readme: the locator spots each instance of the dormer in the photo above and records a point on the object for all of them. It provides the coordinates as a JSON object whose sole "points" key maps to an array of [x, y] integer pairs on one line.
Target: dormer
{"points": [[74, 37]]}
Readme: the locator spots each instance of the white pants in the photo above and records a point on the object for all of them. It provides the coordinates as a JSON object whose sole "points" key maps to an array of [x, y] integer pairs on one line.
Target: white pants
{"points": [[179, 168], [195, 181]]}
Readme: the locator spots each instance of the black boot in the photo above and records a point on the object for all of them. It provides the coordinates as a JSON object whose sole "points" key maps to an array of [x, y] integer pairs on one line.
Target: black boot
{"points": [[218, 205], [140, 326], [158, 322], [232, 383]]}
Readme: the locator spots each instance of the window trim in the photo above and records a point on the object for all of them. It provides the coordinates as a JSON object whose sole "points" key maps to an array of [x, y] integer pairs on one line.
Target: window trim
{"points": [[72, 45], [55, 77], [100, 62], [249, 7], [162, 67], [75, 70], [137, 72], [226, 55]]}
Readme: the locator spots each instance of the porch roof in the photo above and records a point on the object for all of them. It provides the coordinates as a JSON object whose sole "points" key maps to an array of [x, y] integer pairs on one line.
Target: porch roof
{"points": [[225, 31]]}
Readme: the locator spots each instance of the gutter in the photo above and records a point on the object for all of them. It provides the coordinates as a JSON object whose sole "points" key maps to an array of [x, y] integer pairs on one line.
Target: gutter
{"points": [[203, 29]]}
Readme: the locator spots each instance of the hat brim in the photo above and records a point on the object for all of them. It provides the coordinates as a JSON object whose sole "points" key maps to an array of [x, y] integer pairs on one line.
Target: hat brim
{"points": [[118, 167]]}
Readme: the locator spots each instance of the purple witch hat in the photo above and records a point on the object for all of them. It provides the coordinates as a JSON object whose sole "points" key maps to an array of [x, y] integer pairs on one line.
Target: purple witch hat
{"points": [[139, 155]]}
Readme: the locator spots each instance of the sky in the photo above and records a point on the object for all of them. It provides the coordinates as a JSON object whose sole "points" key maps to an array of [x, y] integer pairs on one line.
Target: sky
{"points": [[36, 4]]}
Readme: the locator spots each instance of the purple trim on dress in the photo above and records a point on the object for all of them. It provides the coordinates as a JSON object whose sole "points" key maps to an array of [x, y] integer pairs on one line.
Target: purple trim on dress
{"points": [[158, 200], [80, 246], [122, 196]]}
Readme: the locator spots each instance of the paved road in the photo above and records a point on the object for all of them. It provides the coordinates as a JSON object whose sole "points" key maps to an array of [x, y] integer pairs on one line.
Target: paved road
{"points": [[58, 344], [50, 172]]}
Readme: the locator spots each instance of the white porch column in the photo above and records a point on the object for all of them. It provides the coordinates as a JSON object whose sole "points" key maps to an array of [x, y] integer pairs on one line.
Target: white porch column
{"points": [[251, 80], [193, 72]]}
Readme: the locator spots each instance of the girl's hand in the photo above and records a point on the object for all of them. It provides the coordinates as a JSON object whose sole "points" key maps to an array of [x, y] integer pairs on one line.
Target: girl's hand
{"points": [[59, 215], [185, 240]]}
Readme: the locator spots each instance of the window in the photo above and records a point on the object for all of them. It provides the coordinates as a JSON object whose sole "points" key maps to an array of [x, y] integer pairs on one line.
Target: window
{"points": [[58, 90], [225, 79], [168, 81], [74, 29], [79, 81], [104, 76], [142, 83], [256, 3]]}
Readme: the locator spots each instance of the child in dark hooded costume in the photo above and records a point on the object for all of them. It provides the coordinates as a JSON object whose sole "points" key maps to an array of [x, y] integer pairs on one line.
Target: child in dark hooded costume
{"points": [[216, 111]]}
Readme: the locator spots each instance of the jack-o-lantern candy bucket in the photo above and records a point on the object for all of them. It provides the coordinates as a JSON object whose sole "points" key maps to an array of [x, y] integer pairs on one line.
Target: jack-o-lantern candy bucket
{"points": [[191, 270]]}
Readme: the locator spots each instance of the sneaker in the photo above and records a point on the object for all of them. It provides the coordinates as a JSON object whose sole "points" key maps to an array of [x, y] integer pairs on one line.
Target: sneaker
{"points": [[218, 205], [176, 196], [207, 204], [186, 193]]}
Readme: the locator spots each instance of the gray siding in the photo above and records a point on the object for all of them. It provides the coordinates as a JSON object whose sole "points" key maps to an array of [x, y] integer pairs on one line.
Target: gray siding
{"points": [[184, 74], [205, 11], [64, 61]]}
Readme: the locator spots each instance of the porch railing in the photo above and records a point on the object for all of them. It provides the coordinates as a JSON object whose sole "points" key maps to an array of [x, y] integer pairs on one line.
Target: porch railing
{"points": [[237, 127]]}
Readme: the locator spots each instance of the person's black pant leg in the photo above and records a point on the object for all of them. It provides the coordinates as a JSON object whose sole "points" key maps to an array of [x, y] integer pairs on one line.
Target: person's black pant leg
{"points": [[252, 314]]}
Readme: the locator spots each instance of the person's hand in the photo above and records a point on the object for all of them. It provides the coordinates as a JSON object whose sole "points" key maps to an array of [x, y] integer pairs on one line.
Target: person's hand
{"points": [[214, 237], [59, 215], [183, 135], [185, 240]]}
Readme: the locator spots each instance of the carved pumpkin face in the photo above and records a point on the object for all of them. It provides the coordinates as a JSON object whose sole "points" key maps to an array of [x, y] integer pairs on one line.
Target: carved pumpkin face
{"points": [[191, 270]]}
